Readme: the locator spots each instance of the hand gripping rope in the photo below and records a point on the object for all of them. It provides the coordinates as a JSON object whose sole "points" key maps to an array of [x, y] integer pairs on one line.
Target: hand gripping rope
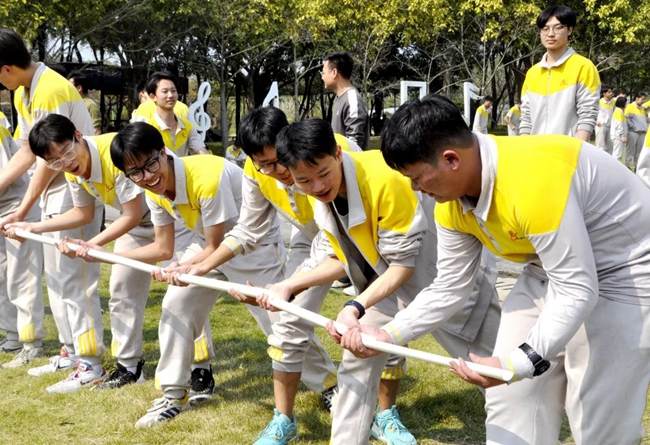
{"points": [[312, 317]]}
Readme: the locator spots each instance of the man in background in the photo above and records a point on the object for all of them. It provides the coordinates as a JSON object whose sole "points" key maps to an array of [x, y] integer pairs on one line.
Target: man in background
{"points": [[80, 81], [349, 113]]}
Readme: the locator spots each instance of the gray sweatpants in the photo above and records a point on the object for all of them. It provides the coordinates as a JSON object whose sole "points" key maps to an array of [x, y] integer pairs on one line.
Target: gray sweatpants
{"points": [[359, 378], [619, 150], [21, 291], [293, 346], [8, 312], [634, 146], [74, 299], [601, 378], [184, 311], [603, 139], [129, 290]]}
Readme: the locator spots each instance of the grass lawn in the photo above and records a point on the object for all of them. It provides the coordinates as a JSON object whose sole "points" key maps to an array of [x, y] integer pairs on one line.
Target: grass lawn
{"points": [[438, 408]]}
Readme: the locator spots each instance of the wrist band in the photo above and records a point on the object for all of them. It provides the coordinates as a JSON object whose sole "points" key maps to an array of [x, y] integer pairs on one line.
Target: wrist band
{"points": [[359, 306]]}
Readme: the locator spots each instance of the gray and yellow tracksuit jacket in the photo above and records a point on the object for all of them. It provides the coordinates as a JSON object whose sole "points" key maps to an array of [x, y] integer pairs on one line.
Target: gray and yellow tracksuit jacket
{"points": [[561, 98], [390, 225], [590, 239]]}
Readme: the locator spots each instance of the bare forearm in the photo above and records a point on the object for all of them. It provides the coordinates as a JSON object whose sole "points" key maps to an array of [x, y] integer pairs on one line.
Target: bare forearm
{"points": [[205, 253], [221, 255], [328, 271], [584, 135], [150, 254], [72, 219], [385, 285], [118, 228]]}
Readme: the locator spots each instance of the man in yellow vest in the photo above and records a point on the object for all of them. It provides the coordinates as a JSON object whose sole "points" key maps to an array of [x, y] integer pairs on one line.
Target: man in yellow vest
{"points": [[578, 317], [606, 107], [178, 133], [513, 119], [147, 107], [482, 116]]}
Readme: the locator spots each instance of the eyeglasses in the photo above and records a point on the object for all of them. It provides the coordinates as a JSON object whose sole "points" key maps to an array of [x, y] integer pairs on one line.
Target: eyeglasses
{"points": [[152, 166], [65, 158], [267, 169], [556, 29], [322, 73]]}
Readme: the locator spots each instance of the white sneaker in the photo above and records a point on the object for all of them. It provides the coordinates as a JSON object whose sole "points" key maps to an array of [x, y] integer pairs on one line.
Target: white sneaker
{"points": [[57, 363], [351, 291], [82, 376], [163, 409], [23, 358]]}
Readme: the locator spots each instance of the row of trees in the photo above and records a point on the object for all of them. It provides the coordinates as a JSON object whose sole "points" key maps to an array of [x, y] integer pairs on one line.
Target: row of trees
{"points": [[244, 45]]}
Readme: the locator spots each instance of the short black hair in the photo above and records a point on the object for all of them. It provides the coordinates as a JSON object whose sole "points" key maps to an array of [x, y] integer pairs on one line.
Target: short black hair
{"points": [[488, 97], [621, 102], [259, 129], [342, 61], [79, 79], [618, 91], [306, 141], [53, 128], [136, 142], [605, 88], [421, 129], [564, 14], [13, 51], [641, 93], [155, 78]]}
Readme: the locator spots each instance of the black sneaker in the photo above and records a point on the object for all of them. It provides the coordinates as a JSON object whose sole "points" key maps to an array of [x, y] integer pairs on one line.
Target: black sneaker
{"points": [[122, 376], [329, 397], [202, 385]]}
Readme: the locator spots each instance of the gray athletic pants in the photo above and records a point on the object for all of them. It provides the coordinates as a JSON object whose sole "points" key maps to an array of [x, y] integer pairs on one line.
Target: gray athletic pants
{"points": [[601, 378], [293, 346], [129, 290], [74, 299]]}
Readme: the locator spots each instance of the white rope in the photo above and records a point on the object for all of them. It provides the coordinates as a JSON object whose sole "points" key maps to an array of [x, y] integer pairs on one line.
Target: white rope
{"points": [[312, 317]]}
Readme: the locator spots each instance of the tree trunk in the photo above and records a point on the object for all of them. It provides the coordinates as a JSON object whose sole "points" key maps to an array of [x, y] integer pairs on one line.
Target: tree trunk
{"points": [[223, 94], [237, 103], [296, 85]]}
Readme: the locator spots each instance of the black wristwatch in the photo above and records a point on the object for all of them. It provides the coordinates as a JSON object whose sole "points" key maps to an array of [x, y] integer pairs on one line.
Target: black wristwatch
{"points": [[541, 365], [359, 306]]}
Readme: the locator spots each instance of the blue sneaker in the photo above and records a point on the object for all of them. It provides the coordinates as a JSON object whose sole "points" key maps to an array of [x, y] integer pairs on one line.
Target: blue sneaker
{"points": [[279, 431], [388, 428]]}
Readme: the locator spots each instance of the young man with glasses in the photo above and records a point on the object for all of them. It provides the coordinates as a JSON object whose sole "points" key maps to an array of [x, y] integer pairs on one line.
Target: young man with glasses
{"points": [[93, 179], [269, 190], [72, 291], [560, 94], [203, 192]]}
